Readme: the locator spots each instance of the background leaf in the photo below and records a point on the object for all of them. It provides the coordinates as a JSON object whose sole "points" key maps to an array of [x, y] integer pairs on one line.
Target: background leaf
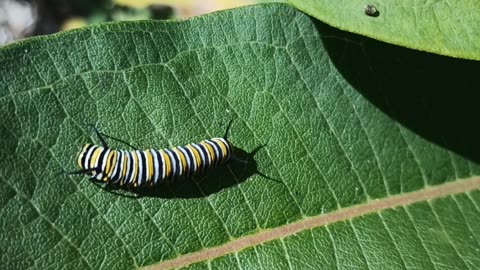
{"points": [[432, 26], [323, 102]]}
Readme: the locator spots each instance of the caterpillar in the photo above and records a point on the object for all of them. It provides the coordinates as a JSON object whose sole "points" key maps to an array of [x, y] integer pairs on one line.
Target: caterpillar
{"points": [[134, 168]]}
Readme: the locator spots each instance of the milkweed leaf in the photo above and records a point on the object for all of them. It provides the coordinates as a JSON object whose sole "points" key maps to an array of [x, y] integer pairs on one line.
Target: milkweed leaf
{"points": [[431, 26], [375, 159]]}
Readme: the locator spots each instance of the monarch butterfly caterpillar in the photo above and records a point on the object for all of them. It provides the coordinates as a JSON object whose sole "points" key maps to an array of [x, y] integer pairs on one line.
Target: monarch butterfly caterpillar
{"points": [[150, 167]]}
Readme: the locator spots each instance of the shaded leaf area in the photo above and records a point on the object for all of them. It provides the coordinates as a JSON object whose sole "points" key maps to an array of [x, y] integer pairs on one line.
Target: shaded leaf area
{"points": [[433, 95], [160, 84], [432, 26], [437, 234]]}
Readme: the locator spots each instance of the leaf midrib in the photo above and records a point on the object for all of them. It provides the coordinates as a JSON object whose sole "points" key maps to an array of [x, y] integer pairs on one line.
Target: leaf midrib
{"points": [[307, 223]]}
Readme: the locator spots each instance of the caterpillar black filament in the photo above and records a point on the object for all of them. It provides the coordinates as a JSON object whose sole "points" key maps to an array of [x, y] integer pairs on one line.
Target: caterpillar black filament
{"points": [[151, 167]]}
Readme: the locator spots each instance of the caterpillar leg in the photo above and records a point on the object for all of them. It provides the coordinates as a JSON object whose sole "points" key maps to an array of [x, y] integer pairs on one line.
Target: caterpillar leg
{"points": [[114, 190], [84, 171]]}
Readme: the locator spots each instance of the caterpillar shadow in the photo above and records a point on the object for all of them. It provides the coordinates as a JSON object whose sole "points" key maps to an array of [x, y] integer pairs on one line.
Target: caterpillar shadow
{"points": [[434, 96], [211, 181]]}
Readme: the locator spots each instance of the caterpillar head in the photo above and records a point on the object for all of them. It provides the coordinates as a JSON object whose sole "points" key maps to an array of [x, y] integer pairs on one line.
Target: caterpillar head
{"points": [[88, 157]]}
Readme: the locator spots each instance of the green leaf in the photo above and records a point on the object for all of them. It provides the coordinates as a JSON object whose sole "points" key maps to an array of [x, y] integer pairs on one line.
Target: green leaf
{"points": [[438, 234], [346, 122], [431, 26]]}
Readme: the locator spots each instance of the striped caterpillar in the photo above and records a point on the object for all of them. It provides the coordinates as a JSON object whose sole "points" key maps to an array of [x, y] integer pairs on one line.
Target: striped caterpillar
{"points": [[150, 167]]}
